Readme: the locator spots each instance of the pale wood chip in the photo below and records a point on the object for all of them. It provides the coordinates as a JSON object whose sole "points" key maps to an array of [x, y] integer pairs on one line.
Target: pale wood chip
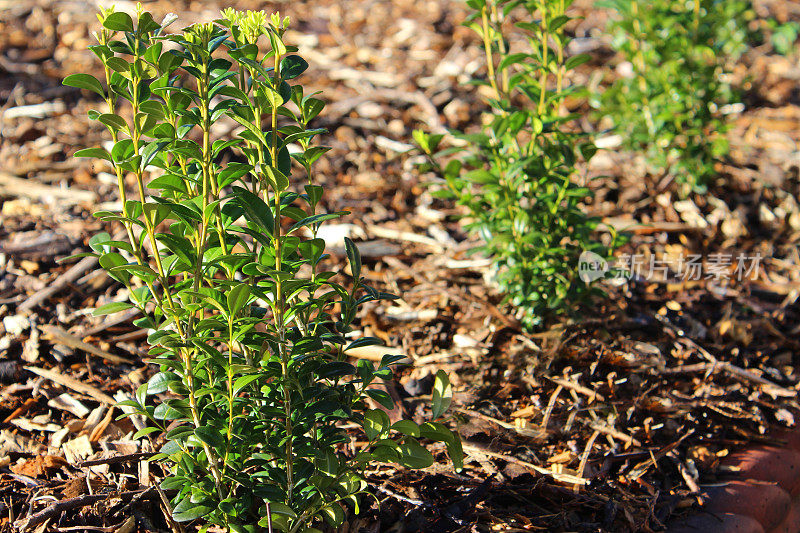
{"points": [[66, 402], [72, 383], [77, 449]]}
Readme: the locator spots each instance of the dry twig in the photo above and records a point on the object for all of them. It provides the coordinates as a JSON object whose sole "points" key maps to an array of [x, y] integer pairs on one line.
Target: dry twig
{"points": [[73, 384]]}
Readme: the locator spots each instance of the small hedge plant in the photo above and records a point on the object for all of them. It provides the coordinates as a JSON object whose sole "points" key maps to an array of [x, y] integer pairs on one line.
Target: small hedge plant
{"points": [[517, 176], [251, 333], [670, 107]]}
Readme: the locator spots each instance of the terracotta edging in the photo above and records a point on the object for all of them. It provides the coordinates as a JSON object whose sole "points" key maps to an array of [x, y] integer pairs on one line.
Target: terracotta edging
{"points": [[762, 495]]}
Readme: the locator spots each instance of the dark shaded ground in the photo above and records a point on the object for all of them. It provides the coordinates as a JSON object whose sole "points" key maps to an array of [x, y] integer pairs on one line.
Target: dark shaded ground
{"points": [[605, 423]]}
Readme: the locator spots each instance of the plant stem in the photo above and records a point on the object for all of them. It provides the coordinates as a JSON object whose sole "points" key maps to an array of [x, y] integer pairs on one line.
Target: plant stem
{"points": [[487, 45], [204, 105], [136, 134], [544, 67], [280, 303], [559, 40], [123, 195], [230, 394], [638, 57], [502, 45]]}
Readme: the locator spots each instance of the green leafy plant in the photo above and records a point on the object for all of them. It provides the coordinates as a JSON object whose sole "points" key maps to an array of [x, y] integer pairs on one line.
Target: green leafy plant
{"points": [[517, 176], [783, 36], [670, 107], [223, 261]]}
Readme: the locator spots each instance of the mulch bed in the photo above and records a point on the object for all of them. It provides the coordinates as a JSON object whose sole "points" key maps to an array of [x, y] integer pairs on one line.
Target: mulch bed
{"points": [[611, 421]]}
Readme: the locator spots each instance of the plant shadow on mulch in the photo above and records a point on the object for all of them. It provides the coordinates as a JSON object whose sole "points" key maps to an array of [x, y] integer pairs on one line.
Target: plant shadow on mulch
{"points": [[607, 422]]}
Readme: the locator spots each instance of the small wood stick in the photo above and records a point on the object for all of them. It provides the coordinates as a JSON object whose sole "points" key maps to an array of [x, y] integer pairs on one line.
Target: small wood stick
{"points": [[74, 272], [65, 505], [563, 478], [176, 527], [593, 395], [585, 457], [59, 335], [726, 366], [100, 428], [602, 428], [19, 411], [550, 405], [687, 477], [73, 384]]}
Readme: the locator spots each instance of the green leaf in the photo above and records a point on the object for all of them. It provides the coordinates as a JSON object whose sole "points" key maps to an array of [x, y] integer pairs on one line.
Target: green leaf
{"points": [[391, 359], [334, 514], [442, 394], [314, 153], [99, 242], [784, 36], [303, 134], [422, 138], [160, 382], [84, 81], [181, 432], [312, 107], [119, 21], [480, 176], [336, 369], [117, 64], [282, 509], [180, 246], [292, 66], [98, 153], [101, 51], [256, 210], [174, 483], [386, 451], [144, 432], [210, 436], [557, 22], [315, 219], [413, 455], [577, 60], [365, 341], [312, 249], [186, 511], [232, 172], [122, 150], [111, 261], [243, 381], [437, 431], [111, 308], [406, 427], [272, 97], [354, 257], [150, 151], [376, 424], [255, 65], [237, 298], [144, 272], [164, 411], [114, 122], [512, 59], [382, 397], [276, 178]]}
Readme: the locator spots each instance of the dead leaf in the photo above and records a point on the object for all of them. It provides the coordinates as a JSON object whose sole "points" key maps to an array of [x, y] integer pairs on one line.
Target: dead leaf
{"points": [[39, 465]]}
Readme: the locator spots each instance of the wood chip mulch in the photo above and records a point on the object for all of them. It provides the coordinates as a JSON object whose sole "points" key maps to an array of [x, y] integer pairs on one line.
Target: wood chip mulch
{"points": [[618, 420]]}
